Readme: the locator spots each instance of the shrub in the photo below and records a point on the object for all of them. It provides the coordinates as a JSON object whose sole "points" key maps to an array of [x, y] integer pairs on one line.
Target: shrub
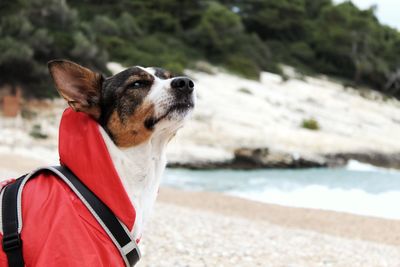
{"points": [[245, 91], [310, 124], [158, 50], [37, 133], [243, 66], [204, 66], [28, 114]]}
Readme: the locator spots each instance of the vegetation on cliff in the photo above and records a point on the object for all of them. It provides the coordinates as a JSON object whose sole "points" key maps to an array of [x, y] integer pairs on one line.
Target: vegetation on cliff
{"points": [[245, 37]]}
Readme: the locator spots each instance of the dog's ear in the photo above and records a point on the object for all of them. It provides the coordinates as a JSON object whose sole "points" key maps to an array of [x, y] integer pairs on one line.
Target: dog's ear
{"points": [[78, 85]]}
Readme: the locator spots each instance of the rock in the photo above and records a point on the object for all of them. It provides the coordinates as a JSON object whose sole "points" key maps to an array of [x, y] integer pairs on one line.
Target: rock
{"points": [[247, 158], [200, 165], [256, 158], [385, 160]]}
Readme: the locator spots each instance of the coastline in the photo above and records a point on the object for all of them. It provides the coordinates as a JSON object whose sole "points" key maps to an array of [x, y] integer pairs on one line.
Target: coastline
{"points": [[249, 160], [264, 158]]}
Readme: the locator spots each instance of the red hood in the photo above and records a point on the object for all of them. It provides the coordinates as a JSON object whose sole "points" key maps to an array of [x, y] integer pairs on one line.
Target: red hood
{"points": [[83, 151]]}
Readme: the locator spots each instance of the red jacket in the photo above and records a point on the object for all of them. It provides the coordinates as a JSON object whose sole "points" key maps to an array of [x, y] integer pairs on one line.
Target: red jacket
{"points": [[58, 230]]}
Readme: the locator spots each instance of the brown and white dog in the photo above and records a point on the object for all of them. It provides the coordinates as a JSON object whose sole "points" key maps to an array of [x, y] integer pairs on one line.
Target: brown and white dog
{"points": [[138, 111]]}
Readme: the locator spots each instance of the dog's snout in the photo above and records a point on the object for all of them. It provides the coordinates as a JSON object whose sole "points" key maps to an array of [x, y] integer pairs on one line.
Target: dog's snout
{"points": [[183, 85]]}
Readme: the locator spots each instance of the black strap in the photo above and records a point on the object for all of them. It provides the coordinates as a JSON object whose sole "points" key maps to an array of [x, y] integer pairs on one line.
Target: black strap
{"points": [[12, 243], [105, 214]]}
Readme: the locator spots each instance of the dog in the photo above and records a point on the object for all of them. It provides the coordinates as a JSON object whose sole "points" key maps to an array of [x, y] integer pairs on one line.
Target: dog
{"points": [[114, 138]]}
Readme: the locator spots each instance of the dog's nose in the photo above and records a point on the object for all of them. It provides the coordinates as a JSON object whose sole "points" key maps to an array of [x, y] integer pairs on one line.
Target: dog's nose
{"points": [[183, 85]]}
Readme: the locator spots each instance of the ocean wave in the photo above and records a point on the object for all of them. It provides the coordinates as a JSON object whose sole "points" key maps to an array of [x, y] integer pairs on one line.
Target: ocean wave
{"points": [[355, 165], [354, 201]]}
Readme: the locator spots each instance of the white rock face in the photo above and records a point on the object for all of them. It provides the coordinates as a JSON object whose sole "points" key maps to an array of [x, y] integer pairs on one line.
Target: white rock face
{"points": [[233, 112]]}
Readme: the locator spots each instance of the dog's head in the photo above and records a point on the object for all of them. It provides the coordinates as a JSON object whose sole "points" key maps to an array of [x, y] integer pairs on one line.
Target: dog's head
{"points": [[132, 105]]}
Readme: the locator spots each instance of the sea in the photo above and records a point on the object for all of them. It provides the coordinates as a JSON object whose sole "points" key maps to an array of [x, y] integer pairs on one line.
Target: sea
{"points": [[357, 188]]}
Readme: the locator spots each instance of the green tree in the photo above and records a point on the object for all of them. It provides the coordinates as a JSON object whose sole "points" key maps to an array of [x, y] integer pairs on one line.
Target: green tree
{"points": [[345, 42], [244, 36], [38, 31], [281, 20], [218, 30]]}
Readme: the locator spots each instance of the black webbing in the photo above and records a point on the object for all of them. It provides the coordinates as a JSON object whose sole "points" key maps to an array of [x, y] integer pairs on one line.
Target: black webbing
{"points": [[104, 212], [12, 243]]}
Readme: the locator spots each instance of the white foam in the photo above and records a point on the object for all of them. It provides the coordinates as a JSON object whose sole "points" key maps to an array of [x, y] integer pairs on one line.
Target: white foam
{"points": [[354, 165], [356, 201]]}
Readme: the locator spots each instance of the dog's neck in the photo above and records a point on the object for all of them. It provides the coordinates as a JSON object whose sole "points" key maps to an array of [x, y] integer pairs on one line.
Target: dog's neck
{"points": [[140, 169]]}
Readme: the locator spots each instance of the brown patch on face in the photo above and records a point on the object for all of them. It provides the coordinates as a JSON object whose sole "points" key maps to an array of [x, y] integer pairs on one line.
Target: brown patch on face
{"points": [[131, 131], [163, 74]]}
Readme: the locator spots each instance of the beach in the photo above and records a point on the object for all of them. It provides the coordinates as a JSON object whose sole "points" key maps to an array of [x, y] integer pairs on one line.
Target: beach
{"points": [[210, 229]]}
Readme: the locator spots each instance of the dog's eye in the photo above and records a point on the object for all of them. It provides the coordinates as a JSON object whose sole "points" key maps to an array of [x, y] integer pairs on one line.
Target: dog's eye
{"points": [[138, 84]]}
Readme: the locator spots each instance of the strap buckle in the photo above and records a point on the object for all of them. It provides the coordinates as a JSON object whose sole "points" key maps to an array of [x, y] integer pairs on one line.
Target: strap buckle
{"points": [[12, 242]]}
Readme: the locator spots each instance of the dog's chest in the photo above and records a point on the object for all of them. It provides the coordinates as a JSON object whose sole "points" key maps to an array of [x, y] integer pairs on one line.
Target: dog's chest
{"points": [[140, 169]]}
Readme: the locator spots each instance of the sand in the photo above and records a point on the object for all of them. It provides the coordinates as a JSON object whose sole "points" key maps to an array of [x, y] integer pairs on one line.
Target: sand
{"points": [[209, 229], [15, 165]]}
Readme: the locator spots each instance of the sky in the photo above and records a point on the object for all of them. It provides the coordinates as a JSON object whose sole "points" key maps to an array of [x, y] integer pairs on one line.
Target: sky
{"points": [[388, 10]]}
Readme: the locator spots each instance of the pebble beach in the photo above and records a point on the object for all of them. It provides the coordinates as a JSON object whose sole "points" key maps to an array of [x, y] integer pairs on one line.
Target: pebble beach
{"points": [[209, 229]]}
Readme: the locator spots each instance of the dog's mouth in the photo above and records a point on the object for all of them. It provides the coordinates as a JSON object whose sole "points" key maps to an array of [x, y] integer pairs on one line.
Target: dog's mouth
{"points": [[177, 108]]}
